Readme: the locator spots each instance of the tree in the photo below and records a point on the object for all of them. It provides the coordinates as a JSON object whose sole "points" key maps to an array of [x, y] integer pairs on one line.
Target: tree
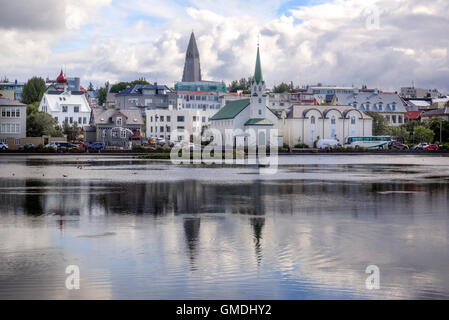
{"points": [[380, 124], [33, 90], [91, 87], [41, 123], [72, 132], [283, 87], [423, 134], [440, 127], [116, 88], [103, 94], [32, 108], [399, 133], [241, 85]]}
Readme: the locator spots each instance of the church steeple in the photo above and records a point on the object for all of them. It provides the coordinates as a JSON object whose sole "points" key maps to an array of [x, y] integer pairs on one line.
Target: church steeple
{"points": [[192, 67], [258, 78]]}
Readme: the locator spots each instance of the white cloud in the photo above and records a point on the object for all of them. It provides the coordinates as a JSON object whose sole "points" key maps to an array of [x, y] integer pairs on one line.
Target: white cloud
{"points": [[324, 42]]}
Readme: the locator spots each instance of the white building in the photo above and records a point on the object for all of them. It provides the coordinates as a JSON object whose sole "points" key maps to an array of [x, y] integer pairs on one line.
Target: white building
{"points": [[66, 106], [238, 117], [305, 124], [162, 123]]}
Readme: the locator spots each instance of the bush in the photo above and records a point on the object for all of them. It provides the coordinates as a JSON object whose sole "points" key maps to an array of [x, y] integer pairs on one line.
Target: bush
{"points": [[445, 146], [301, 146], [137, 147]]}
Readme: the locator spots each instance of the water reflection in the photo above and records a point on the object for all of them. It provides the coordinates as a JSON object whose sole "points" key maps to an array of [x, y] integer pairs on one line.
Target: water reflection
{"points": [[252, 239]]}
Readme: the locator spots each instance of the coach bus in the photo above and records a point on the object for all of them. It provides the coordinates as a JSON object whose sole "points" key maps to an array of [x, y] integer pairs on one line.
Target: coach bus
{"points": [[368, 142]]}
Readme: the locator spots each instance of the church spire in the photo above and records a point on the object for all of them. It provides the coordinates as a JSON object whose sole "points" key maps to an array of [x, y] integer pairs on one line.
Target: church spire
{"points": [[258, 78], [192, 67]]}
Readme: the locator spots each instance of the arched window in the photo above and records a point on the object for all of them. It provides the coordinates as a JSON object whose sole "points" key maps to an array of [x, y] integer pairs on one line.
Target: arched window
{"points": [[353, 126], [312, 128], [333, 127], [352, 120], [312, 120]]}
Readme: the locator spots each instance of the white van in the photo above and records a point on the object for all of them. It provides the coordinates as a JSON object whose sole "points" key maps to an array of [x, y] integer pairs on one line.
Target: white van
{"points": [[327, 144]]}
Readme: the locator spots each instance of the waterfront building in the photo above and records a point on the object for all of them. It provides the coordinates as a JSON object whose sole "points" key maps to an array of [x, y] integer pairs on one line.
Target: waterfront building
{"points": [[12, 121], [305, 124], [116, 127], [253, 113], [389, 104]]}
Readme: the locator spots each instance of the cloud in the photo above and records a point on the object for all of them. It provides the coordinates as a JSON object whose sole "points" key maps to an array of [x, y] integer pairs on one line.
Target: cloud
{"points": [[381, 43]]}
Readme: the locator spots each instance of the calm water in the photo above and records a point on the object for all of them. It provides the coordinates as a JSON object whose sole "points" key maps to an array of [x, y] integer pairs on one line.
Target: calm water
{"points": [[151, 230]]}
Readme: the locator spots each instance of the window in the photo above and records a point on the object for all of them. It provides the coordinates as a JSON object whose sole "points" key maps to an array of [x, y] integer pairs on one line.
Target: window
{"points": [[204, 119], [17, 141], [84, 120], [18, 113], [312, 120], [260, 100], [260, 112], [168, 129], [56, 118], [194, 118], [161, 129], [80, 120], [123, 134], [180, 118], [114, 134], [71, 120], [400, 120], [162, 119], [168, 118], [119, 121], [65, 109], [76, 109]]}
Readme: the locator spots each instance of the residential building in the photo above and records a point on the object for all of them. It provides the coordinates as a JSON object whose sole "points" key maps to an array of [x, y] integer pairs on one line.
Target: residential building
{"points": [[11, 90], [417, 93], [305, 124], [163, 123], [116, 127], [240, 116], [437, 113], [71, 107], [12, 120], [63, 83], [440, 103], [330, 90], [415, 104], [144, 97], [390, 105]]}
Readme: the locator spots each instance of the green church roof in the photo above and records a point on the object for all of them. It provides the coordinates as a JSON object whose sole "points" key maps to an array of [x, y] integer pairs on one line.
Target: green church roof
{"points": [[258, 78], [231, 110], [259, 122]]}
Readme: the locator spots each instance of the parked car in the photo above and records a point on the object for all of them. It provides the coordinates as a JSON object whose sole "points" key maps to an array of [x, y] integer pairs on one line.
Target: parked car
{"points": [[3, 146], [96, 146], [327, 144], [396, 145], [425, 146], [160, 142]]}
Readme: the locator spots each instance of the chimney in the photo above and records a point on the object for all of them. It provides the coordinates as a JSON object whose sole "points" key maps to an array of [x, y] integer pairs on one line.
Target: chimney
{"points": [[77, 84]]}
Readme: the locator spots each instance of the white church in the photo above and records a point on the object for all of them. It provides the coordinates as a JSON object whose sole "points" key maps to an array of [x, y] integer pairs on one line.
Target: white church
{"points": [[240, 117]]}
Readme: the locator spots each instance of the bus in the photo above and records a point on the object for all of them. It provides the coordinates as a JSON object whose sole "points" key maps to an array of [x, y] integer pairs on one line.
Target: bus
{"points": [[368, 142]]}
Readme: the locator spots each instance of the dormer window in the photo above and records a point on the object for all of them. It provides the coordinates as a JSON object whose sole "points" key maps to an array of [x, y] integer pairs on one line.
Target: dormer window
{"points": [[118, 121]]}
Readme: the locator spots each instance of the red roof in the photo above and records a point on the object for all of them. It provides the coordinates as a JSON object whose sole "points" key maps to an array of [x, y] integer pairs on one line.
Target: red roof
{"points": [[413, 115], [82, 89], [61, 78]]}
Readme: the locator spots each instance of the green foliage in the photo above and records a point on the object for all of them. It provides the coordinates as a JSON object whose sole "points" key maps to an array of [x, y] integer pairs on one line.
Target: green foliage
{"points": [[440, 127], [242, 84], [91, 87], [301, 146], [284, 87], [399, 133], [380, 124], [33, 90], [32, 108], [41, 123], [423, 134], [103, 94], [116, 88], [72, 132]]}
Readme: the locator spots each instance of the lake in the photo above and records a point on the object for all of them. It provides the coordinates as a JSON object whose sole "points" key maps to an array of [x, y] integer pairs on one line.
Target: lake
{"points": [[142, 229]]}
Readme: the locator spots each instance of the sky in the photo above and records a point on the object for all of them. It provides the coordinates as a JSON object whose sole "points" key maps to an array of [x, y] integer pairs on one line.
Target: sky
{"points": [[384, 44]]}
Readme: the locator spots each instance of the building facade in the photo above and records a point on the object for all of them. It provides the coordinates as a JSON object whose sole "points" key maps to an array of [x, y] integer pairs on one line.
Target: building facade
{"points": [[12, 90], [144, 97], [12, 120], [70, 107], [390, 105], [117, 127], [303, 124]]}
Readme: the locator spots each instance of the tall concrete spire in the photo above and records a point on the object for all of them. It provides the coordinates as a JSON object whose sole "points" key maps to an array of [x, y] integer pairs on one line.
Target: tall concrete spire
{"points": [[192, 68]]}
